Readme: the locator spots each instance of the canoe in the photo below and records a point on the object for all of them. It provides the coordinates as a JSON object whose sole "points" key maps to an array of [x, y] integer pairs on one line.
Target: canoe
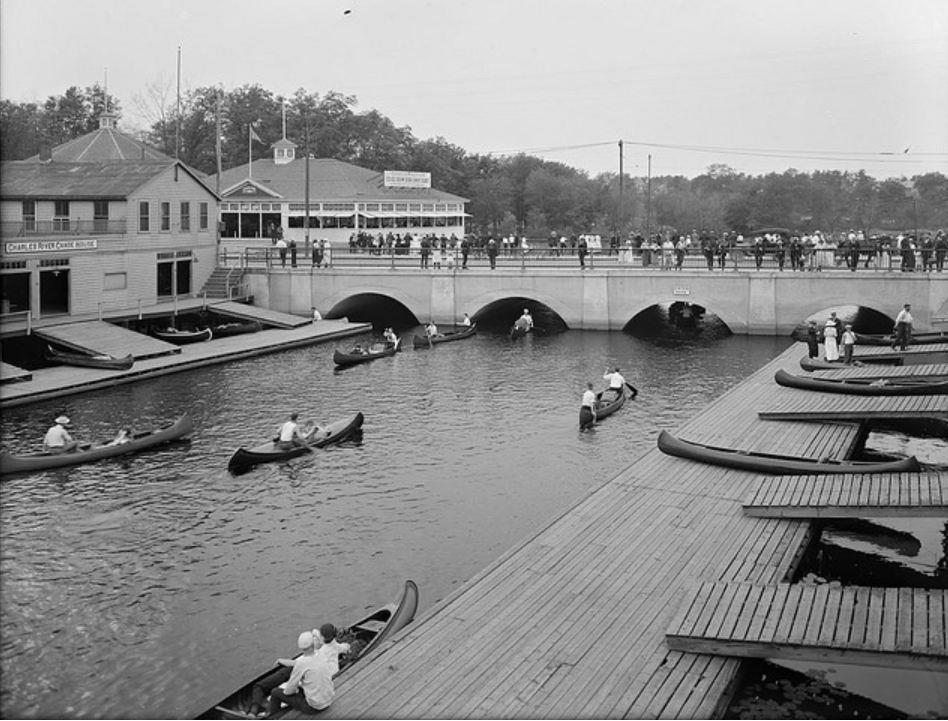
{"points": [[364, 636], [336, 432], [892, 386], [606, 409], [182, 337], [140, 441], [887, 339], [518, 331], [225, 329], [773, 464], [418, 341], [343, 358], [104, 361], [819, 364]]}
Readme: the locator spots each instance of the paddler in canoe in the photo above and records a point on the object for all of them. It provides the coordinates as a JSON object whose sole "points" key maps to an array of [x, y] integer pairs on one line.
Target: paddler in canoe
{"points": [[290, 434], [57, 438]]}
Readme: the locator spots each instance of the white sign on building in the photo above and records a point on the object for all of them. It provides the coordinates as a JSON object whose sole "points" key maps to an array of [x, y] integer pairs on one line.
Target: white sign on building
{"points": [[49, 246], [407, 179]]}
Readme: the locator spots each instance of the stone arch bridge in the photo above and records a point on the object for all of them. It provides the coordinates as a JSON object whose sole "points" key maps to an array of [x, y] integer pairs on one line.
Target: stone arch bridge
{"points": [[755, 303]]}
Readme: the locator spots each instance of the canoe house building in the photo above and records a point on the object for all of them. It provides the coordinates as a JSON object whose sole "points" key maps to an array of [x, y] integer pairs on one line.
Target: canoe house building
{"points": [[343, 199], [104, 223]]}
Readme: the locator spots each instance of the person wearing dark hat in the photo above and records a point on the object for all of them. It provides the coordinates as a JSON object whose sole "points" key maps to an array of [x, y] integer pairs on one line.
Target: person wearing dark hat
{"points": [[57, 438]]}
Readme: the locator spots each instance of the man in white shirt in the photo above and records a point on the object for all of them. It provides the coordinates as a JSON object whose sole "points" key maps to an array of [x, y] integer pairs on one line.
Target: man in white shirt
{"points": [[587, 409], [290, 434], [617, 382], [903, 327], [57, 438]]}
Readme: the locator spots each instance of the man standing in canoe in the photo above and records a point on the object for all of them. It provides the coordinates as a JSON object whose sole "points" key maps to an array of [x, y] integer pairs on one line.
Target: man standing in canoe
{"points": [[617, 383], [587, 410], [903, 327], [57, 438], [290, 436]]}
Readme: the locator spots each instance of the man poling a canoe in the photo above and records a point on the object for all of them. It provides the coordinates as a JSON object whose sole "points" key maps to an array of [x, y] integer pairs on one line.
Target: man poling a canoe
{"points": [[57, 438]]}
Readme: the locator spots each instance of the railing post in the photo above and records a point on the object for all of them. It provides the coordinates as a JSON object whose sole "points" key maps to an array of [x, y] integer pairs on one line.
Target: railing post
{"points": [[592, 252], [139, 309], [99, 304], [29, 322], [391, 253]]}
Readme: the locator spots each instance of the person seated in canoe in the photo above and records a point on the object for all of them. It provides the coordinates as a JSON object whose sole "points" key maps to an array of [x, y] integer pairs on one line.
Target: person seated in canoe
{"points": [[390, 336], [124, 436], [357, 349], [431, 330], [290, 436], [305, 682], [467, 320], [57, 438], [313, 431]]}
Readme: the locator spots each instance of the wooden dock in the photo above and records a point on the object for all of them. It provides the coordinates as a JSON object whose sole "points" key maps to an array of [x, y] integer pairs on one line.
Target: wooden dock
{"points": [[11, 373], [871, 372], [936, 352], [264, 315], [790, 404], [893, 627], [61, 381], [97, 336], [850, 495], [571, 623]]}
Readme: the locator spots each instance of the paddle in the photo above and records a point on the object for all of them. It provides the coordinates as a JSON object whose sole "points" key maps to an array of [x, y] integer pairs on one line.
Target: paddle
{"points": [[632, 389]]}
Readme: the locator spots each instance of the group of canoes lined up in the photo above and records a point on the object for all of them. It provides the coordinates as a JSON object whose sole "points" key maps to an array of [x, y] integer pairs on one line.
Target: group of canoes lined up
{"points": [[868, 384], [171, 335], [358, 354]]}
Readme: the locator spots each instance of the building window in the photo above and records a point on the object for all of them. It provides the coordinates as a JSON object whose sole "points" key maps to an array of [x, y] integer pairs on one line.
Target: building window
{"points": [[143, 216], [29, 215], [100, 215], [185, 215], [165, 215], [61, 215], [115, 281], [203, 211]]}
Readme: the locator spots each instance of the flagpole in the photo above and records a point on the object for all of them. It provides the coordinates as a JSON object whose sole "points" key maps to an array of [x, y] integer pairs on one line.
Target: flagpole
{"points": [[217, 144], [249, 151]]}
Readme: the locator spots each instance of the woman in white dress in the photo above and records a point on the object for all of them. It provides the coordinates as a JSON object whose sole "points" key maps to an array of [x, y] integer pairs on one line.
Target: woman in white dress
{"points": [[831, 351]]}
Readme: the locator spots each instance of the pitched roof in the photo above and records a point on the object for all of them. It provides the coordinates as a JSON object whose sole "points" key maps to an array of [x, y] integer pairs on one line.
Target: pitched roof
{"points": [[102, 145], [22, 179], [329, 179]]}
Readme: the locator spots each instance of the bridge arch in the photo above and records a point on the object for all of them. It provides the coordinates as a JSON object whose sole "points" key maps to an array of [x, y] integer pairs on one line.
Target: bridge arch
{"points": [[483, 300], [413, 304], [728, 312]]}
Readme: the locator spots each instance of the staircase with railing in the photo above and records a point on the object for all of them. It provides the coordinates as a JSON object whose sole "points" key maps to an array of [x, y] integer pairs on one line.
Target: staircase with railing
{"points": [[227, 283]]}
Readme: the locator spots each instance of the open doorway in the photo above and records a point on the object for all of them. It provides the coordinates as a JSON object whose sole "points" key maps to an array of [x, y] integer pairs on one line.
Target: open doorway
{"points": [[54, 292]]}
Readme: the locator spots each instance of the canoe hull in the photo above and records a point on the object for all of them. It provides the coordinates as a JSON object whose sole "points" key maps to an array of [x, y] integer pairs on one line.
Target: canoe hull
{"points": [[422, 342], [343, 359], [775, 465], [604, 410], [370, 632], [104, 362], [819, 364], [184, 337], [42, 461], [246, 458], [896, 386], [917, 339], [227, 329]]}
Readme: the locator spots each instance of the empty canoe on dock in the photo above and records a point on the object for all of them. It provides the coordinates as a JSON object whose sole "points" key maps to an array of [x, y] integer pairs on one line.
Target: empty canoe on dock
{"points": [[891, 386], [84, 360]]}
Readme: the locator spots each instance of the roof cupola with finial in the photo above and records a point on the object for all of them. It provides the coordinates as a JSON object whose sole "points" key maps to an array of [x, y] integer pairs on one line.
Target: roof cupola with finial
{"points": [[284, 151]]}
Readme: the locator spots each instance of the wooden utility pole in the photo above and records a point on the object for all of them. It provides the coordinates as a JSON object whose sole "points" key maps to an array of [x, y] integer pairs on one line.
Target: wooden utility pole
{"points": [[648, 201], [621, 182]]}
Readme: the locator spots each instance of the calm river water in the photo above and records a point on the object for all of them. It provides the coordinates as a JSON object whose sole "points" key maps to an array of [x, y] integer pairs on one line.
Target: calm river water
{"points": [[153, 586]]}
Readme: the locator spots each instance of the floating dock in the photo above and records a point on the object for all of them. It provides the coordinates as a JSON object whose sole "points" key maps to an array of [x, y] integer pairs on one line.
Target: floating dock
{"points": [[99, 337], [572, 623]]}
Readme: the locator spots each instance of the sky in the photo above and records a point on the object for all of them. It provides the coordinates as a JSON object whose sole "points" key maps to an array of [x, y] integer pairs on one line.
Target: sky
{"points": [[757, 85]]}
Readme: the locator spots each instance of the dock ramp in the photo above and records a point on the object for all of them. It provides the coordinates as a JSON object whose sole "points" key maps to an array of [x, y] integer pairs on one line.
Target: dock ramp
{"points": [[10, 373], [850, 495], [264, 315], [893, 627], [96, 336]]}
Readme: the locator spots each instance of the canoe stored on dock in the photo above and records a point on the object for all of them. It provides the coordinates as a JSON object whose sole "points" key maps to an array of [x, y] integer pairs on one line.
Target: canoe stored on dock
{"points": [[894, 386], [775, 464], [139, 442], [246, 458], [84, 360], [363, 636], [182, 337]]}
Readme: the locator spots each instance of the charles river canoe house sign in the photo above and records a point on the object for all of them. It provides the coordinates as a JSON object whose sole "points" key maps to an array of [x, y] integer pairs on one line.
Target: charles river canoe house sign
{"points": [[49, 246]]}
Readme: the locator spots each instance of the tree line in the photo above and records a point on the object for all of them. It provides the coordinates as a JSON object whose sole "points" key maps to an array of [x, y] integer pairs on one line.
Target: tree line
{"points": [[520, 194]]}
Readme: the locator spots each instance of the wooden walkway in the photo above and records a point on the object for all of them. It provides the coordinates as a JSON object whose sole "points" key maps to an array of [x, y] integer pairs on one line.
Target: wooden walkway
{"points": [[570, 624], [10, 373], [264, 315], [798, 404], [96, 336], [850, 496], [61, 381], [893, 627]]}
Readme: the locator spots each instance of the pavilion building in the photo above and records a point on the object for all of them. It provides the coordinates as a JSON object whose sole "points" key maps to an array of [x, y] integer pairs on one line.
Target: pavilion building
{"points": [[343, 199]]}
